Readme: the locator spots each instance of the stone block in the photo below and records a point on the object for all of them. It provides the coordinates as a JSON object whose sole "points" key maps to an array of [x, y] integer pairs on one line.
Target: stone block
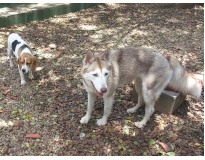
{"points": [[17, 13], [167, 103]]}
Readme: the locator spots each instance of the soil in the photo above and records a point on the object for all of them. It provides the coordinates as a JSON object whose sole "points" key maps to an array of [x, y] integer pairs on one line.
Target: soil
{"points": [[50, 106]]}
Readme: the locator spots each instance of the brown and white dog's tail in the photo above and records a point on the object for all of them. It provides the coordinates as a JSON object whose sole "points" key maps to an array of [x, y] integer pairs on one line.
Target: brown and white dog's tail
{"points": [[181, 80]]}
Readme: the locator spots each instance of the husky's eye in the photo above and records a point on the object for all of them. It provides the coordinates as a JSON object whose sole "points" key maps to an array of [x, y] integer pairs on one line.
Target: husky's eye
{"points": [[106, 74], [95, 75]]}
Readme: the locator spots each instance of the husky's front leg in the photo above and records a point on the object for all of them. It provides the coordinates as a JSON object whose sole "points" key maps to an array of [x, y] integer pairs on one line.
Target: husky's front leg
{"points": [[108, 102], [91, 101], [149, 110]]}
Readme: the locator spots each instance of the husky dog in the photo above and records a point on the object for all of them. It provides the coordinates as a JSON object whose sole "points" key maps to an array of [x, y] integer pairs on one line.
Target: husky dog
{"points": [[103, 73]]}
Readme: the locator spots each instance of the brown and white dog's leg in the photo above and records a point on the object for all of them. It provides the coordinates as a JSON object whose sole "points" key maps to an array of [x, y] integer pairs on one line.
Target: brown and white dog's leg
{"points": [[22, 77], [30, 75], [9, 51]]}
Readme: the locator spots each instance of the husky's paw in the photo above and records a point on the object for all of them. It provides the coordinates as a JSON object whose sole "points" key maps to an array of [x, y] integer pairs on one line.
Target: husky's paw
{"points": [[101, 122], [23, 82], [139, 124], [84, 120], [131, 110]]}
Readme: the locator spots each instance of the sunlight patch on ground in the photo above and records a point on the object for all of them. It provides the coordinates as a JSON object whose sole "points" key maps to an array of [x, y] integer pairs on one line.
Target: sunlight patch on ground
{"points": [[185, 32], [88, 27], [3, 59], [7, 10], [96, 37], [39, 68], [72, 15], [5, 124], [43, 55], [109, 31], [173, 20], [138, 32], [53, 77], [113, 5], [59, 20], [56, 144]]}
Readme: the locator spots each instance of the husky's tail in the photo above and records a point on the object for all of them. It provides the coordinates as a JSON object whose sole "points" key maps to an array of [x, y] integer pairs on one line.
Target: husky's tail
{"points": [[181, 81]]}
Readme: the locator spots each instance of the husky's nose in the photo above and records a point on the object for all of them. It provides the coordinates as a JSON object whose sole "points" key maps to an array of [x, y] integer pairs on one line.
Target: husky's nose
{"points": [[23, 70], [103, 90]]}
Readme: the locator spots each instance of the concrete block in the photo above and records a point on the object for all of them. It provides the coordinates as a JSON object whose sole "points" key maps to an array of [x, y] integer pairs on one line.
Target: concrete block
{"points": [[167, 103]]}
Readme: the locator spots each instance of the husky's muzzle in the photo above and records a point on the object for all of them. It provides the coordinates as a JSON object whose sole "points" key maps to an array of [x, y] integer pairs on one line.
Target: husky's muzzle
{"points": [[102, 91]]}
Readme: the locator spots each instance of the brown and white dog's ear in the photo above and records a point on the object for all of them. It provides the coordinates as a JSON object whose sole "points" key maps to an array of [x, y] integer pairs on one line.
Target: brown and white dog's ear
{"points": [[18, 60], [33, 64], [107, 55], [89, 58]]}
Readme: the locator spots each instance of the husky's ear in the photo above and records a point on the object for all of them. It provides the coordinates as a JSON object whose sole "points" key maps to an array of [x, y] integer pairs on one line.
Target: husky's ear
{"points": [[107, 55], [89, 58]]}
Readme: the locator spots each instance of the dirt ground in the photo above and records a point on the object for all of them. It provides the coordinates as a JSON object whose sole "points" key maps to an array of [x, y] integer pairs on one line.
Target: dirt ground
{"points": [[53, 103]]}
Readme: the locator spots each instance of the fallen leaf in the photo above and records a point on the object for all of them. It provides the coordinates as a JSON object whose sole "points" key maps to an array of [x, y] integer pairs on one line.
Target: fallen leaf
{"points": [[176, 121], [151, 141], [13, 97], [31, 143], [49, 99], [127, 121], [165, 146], [52, 46], [110, 130], [174, 136], [54, 116], [45, 122], [2, 88], [171, 153], [126, 129], [92, 151], [82, 135], [46, 49], [14, 112], [27, 144], [30, 116], [60, 48], [160, 126], [93, 136], [6, 92], [121, 147], [16, 124], [197, 144], [58, 54], [34, 146], [136, 143], [12, 27], [25, 117]]}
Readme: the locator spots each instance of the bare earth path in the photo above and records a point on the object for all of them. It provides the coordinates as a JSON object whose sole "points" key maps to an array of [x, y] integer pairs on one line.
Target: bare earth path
{"points": [[52, 104]]}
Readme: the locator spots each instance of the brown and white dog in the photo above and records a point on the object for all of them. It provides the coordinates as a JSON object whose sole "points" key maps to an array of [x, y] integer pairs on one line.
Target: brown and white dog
{"points": [[25, 58]]}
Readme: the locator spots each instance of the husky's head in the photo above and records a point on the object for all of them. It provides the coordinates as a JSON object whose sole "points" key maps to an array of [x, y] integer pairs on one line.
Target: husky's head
{"points": [[96, 69]]}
